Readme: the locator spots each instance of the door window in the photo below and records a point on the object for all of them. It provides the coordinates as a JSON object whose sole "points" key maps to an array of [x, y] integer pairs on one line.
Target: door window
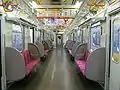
{"points": [[116, 41]]}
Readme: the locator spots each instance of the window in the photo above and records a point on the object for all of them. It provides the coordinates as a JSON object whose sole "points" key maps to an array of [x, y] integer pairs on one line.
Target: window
{"points": [[95, 37], [17, 40], [116, 40]]}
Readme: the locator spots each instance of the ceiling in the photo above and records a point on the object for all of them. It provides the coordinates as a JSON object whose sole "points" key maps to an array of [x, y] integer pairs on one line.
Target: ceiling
{"points": [[55, 2], [58, 9], [56, 14]]}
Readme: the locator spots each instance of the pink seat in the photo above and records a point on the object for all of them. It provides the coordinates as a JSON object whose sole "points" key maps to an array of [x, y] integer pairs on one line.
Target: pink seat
{"points": [[86, 54], [26, 56], [31, 65], [30, 62], [81, 64]]}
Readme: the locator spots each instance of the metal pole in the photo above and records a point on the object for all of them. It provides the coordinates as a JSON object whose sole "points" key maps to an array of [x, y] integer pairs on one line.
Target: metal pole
{"points": [[108, 46], [3, 78]]}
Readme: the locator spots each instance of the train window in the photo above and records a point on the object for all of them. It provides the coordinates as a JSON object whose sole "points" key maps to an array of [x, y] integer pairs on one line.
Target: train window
{"points": [[17, 38], [36, 35], [31, 35], [78, 35], [116, 40], [85, 35], [41, 35], [95, 37]]}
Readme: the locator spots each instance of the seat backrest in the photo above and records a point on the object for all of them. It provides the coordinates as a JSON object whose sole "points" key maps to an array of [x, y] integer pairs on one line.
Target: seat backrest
{"points": [[49, 44], [80, 51], [70, 45], [41, 48], [14, 64], [68, 42], [45, 44], [74, 48], [95, 66], [26, 56], [34, 50]]}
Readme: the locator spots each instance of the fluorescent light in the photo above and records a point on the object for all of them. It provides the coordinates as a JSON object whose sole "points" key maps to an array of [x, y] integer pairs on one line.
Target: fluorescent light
{"points": [[10, 7], [60, 32], [78, 32], [33, 3], [10, 14], [78, 4]]}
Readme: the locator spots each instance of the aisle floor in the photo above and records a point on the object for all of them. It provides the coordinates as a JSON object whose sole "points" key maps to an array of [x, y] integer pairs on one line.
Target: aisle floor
{"points": [[58, 72]]}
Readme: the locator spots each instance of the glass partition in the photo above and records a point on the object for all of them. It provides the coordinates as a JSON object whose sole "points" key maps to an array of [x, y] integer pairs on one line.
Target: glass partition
{"points": [[17, 38]]}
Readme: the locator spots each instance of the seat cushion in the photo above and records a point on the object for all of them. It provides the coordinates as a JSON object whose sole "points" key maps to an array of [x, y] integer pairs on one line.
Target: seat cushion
{"points": [[31, 65], [81, 64]]}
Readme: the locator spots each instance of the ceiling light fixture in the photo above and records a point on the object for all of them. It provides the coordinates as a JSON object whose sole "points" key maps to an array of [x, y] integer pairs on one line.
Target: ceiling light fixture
{"points": [[78, 4], [34, 4]]}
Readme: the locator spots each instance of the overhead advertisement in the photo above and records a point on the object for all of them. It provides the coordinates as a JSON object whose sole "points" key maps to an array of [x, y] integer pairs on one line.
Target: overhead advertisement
{"points": [[17, 40]]}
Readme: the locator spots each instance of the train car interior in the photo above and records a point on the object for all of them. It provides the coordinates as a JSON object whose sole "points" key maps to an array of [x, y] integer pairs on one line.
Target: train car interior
{"points": [[60, 44]]}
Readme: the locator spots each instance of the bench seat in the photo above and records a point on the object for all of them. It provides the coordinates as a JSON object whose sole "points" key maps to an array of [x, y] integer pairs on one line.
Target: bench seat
{"points": [[30, 62]]}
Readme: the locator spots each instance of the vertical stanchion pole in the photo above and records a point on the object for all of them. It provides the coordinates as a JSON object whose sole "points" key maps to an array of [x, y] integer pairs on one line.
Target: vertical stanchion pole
{"points": [[3, 78]]}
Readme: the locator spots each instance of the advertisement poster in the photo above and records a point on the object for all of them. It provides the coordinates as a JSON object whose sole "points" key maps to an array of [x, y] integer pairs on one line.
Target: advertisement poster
{"points": [[17, 41], [95, 37]]}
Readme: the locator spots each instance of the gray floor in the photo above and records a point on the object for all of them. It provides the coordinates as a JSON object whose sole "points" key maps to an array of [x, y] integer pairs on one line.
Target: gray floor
{"points": [[58, 72]]}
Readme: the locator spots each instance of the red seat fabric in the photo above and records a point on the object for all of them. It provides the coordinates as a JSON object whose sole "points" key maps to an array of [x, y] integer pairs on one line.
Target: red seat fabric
{"points": [[30, 62], [31, 65], [26, 56], [81, 64]]}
